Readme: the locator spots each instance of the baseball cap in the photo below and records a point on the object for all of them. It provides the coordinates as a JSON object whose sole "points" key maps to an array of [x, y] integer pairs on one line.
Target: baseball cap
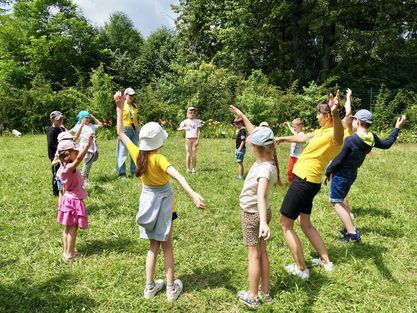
{"points": [[264, 124], [151, 136], [261, 136], [129, 91], [56, 115], [364, 116], [191, 108]]}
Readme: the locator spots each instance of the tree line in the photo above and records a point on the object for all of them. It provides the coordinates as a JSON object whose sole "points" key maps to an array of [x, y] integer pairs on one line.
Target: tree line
{"points": [[274, 59]]}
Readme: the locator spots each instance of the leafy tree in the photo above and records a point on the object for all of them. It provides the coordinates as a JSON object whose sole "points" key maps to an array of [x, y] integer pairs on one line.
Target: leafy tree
{"points": [[101, 91]]}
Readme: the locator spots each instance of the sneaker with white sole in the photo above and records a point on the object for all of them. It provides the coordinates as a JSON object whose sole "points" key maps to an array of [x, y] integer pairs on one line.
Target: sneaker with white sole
{"points": [[149, 293], [247, 300], [327, 266], [293, 269], [173, 292], [355, 238]]}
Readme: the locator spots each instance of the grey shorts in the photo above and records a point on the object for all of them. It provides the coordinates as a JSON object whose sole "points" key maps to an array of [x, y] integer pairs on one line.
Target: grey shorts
{"points": [[250, 227]]}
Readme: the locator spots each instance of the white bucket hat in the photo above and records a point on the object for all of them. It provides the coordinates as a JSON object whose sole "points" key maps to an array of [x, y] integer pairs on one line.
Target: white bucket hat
{"points": [[151, 136]]}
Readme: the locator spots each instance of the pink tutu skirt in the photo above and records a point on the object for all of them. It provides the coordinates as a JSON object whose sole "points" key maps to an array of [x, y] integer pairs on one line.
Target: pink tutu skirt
{"points": [[72, 212]]}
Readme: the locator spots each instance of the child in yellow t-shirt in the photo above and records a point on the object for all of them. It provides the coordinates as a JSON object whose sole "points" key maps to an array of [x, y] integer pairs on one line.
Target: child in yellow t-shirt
{"points": [[156, 203]]}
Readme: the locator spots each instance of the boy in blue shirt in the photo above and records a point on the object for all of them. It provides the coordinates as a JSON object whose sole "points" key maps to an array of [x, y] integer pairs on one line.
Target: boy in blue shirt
{"points": [[343, 169]]}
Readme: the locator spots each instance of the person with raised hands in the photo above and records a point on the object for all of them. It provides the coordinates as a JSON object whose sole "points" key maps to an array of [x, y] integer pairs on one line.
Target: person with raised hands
{"points": [[323, 145]]}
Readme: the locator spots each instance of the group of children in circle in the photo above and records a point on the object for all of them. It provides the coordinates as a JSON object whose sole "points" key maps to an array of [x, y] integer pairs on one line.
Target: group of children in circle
{"points": [[339, 145]]}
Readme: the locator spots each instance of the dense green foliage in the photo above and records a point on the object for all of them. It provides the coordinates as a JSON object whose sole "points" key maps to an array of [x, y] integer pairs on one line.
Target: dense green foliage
{"points": [[275, 59], [375, 276]]}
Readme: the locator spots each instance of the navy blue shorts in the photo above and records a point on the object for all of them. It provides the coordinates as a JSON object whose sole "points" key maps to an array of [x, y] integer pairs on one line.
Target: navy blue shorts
{"points": [[299, 198], [240, 154], [339, 188]]}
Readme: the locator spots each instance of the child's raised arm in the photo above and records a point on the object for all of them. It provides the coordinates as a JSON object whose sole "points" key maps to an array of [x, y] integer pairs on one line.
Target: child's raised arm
{"points": [[78, 133], [96, 121], [119, 99], [82, 153], [197, 199], [290, 128], [348, 110], [338, 131], [249, 126]]}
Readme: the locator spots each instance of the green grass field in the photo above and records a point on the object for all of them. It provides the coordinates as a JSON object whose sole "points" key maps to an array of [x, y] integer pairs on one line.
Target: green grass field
{"points": [[379, 275]]}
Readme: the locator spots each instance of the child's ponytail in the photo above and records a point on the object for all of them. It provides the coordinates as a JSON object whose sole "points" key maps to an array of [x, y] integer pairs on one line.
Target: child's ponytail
{"points": [[142, 162]]}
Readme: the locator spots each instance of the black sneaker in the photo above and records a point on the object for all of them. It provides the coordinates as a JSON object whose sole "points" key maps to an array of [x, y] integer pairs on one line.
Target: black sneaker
{"points": [[355, 238], [341, 232]]}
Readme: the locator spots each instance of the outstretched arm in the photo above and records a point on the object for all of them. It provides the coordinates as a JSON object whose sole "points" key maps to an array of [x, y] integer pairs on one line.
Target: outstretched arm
{"points": [[119, 99], [299, 138], [389, 141], [197, 199], [249, 126]]}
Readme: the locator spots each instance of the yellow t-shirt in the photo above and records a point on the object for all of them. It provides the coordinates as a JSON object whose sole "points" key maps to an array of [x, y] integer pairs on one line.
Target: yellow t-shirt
{"points": [[317, 155], [347, 133], [155, 174], [130, 115]]}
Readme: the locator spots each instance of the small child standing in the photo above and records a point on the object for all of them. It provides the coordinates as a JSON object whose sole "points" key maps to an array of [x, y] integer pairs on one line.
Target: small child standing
{"points": [[240, 145], [52, 132], [256, 210], [192, 127], [156, 203], [72, 212], [296, 128], [343, 170], [83, 129]]}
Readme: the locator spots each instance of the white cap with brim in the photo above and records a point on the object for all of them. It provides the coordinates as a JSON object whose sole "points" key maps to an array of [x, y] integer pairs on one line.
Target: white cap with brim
{"points": [[151, 136], [261, 136], [129, 91], [364, 116]]}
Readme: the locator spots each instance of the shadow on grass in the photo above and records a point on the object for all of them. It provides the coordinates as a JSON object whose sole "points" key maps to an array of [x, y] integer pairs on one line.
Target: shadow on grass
{"points": [[50, 296], [105, 178], [363, 251], [117, 244], [4, 263], [203, 278], [361, 211], [311, 287], [382, 231]]}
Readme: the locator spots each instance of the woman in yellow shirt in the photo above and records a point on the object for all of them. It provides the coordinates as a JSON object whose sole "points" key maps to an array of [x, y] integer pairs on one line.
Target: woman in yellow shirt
{"points": [[156, 203], [131, 130], [324, 144]]}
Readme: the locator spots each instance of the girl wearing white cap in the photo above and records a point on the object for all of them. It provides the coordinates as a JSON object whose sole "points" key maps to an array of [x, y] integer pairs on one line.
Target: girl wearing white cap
{"points": [[131, 130], [156, 203], [256, 211]]}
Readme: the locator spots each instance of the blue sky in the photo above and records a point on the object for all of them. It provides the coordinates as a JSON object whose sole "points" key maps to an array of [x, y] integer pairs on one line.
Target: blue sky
{"points": [[147, 15]]}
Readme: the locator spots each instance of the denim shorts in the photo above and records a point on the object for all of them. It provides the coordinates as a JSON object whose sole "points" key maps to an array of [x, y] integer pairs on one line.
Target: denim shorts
{"points": [[240, 154], [339, 187]]}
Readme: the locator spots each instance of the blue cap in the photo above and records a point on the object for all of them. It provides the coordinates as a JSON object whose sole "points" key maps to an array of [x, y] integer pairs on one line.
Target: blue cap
{"points": [[261, 136], [364, 116]]}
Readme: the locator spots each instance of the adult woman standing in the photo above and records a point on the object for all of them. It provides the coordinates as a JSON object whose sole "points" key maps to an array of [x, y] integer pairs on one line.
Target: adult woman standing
{"points": [[324, 144], [131, 129]]}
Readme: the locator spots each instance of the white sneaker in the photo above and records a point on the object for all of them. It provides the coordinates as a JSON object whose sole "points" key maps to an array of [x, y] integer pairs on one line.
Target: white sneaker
{"points": [[318, 261], [174, 293], [150, 293], [293, 269], [193, 171]]}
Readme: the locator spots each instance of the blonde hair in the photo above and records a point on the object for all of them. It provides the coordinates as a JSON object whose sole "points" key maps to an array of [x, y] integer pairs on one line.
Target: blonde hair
{"points": [[271, 150], [297, 121]]}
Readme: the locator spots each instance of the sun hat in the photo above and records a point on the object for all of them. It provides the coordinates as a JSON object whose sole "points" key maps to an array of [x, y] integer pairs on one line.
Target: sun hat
{"points": [[364, 116], [56, 115], [261, 136], [64, 145], [151, 136], [264, 124], [129, 91], [65, 136], [191, 109]]}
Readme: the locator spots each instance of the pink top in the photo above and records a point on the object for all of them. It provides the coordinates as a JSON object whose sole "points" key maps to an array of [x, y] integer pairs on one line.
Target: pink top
{"points": [[72, 182], [191, 127]]}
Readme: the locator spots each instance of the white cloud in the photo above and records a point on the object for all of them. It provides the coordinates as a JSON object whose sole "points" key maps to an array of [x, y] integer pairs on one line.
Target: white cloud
{"points": [[147, 15]]}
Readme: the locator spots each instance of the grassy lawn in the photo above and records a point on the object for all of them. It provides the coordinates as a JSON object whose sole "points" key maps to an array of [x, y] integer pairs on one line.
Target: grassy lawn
{"points": [[379, 275]]}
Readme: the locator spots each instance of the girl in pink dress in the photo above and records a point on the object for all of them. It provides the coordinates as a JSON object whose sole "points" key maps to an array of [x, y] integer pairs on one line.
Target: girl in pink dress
{"points": [[72, 212]]}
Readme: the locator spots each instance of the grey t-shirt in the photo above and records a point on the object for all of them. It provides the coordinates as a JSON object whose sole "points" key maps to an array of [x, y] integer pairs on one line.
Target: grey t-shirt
{"points": [[248, 197]]}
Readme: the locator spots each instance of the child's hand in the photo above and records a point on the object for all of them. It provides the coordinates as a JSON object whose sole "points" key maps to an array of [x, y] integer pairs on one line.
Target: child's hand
{"points": [[119, 99], [278, 140], [264, 231], [236, 111], [400, 121], [334, 102], [198, 201], [348, 93]]}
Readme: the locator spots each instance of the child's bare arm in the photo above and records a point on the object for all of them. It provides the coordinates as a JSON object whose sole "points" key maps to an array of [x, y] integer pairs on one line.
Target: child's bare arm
{"points": [[119, 99], [338, 131], [299, 138], [82, 153], [55, 160], [96, 121], [249, 126], [262, 193], [197, 199], [78, 133], [290, 128], [348, 110]]}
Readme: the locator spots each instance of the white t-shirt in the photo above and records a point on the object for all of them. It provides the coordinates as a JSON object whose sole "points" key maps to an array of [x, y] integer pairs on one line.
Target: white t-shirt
{"points": [[85, 134], [296, 148], [248, 197], [191, 127]]}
